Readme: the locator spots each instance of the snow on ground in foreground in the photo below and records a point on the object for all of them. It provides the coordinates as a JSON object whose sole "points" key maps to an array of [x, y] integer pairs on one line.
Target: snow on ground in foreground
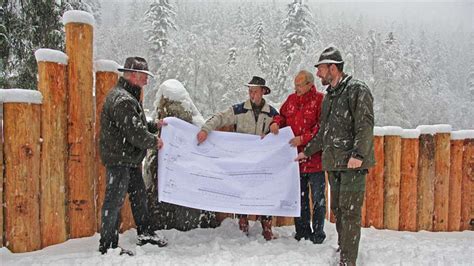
{"points": [[226, 245]]}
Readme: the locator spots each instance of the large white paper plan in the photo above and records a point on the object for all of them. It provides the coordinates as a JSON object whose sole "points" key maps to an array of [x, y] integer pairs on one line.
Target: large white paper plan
{"points": [[229, 172]]}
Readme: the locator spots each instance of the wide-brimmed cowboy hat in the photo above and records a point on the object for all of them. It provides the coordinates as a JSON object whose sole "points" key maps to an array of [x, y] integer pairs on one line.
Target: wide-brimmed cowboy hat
{"points": [[258, 82], [136, 64]]}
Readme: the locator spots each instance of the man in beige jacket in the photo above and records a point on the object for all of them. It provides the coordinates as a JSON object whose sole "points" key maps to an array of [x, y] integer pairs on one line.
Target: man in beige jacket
{"points": [[251, 117]]}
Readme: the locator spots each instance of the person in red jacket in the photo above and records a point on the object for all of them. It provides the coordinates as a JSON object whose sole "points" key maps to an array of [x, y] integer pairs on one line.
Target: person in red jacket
{"points": [[301, 112]]}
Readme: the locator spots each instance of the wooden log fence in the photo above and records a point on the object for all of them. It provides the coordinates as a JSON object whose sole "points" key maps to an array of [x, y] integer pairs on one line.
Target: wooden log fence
{"points": [[53, 189]]}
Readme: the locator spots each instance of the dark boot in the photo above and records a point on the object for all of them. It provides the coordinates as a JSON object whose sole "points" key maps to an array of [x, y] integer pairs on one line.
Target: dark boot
{"points": [[244, 224], [267, 229]]}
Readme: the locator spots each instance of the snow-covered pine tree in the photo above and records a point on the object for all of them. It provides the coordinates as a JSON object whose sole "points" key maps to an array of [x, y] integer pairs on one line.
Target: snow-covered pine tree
{"points": [[160, 17], [298, 27], [260, 46], [391, 95], [28, 25], [297, 36]]}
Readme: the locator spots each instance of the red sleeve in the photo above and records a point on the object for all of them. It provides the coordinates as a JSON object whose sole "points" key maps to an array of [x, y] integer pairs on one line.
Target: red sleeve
{"points": [[280, 119]]}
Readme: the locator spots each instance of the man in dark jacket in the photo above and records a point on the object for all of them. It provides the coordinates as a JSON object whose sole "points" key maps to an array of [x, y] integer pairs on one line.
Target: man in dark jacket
{"points": [[301, 112], [346, 140], [251, 117], [124, 139]]}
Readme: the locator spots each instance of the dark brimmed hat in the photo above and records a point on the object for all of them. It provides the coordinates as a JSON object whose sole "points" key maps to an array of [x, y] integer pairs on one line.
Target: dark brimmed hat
{"points": [[136, 64], [258, 82], [330, 56]]}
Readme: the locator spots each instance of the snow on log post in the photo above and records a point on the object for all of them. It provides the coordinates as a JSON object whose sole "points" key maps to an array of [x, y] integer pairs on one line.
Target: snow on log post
{"points": [[408, 179], [467, 209], [52, 84], [106, 77], [392, 148], [374, 188], [441, 184], [81, 160], [426, 177], [455, 180], [21, 125]]}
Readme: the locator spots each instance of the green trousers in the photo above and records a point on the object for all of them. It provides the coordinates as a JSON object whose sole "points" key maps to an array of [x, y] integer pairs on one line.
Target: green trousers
{"points": [[347, 196]]}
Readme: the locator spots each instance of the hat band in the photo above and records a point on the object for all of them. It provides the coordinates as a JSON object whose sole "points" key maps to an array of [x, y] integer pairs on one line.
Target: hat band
{"points": [[328, 61]]}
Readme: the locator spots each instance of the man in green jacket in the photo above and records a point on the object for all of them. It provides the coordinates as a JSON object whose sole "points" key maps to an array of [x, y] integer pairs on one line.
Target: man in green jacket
{"points": [[346, 140]]}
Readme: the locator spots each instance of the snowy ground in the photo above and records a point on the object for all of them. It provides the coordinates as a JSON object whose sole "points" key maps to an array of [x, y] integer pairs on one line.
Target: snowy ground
{"points": [[226, 245]]}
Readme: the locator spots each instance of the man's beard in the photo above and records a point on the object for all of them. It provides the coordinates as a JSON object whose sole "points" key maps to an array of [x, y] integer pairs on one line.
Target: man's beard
{"points": [[326, 80]]}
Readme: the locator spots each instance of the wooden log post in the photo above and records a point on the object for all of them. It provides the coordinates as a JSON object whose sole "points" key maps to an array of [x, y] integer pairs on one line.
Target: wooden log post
{"points": [[81, 160], [455, 181], [22, 113], [106, 76], [392, 148], [441, 184], [408, 179], [374, 189], [426, 177], [52, 84], [467, 198]]}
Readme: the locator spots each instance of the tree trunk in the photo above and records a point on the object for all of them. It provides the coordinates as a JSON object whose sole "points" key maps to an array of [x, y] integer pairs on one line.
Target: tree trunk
{"points": [[425, 184], [104, 82], [408, 184], [455, 185], [441, 195], [53, 85], [22, 176], [375, 187], [81, 160], [392, 182]]}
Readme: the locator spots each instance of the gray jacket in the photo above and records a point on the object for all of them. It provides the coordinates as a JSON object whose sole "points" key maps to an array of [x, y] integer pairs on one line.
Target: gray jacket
{"points": [[124, 131]]}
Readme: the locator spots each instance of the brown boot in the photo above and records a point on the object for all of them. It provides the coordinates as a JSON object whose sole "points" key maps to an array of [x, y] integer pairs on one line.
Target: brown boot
{"points": [[267, 229], [244, 224]]}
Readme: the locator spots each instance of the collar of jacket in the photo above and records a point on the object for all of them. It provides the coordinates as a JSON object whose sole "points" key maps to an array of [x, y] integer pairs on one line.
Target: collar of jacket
{"points": [[132, 89], [265, 108], [339, 87]]}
